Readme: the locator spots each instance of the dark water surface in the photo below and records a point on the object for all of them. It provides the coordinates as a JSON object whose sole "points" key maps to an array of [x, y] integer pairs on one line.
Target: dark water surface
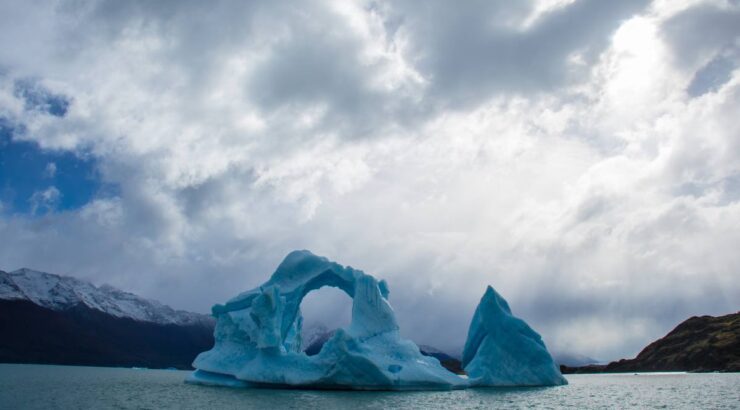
{"points": [[72, 387]]}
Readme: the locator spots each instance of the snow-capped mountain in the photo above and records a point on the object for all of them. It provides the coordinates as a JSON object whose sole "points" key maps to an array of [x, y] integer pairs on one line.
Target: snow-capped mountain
{"points": [[63, 292], [314, 336], [313, 333], [434, 352], [572, 359]]}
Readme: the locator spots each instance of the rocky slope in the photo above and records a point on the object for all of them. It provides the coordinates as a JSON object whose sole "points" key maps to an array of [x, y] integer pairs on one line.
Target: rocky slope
{"points": [[699, 344]]}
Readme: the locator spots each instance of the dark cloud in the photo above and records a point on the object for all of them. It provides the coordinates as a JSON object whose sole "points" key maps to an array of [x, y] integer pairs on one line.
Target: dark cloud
{"points": [[319, 69], [705, 38], [700, 32], [477, 49], [712, 75]]}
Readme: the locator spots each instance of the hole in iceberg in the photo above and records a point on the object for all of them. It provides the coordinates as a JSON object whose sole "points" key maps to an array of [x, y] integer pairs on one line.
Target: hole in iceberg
{"points": [[324, 311]]}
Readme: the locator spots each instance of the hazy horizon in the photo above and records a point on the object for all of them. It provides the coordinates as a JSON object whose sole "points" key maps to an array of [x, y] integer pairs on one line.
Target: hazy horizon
{"points": [[582, 157]]}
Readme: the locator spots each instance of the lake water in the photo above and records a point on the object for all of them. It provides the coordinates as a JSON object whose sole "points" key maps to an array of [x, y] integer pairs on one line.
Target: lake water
{"points": [[72, 387]]}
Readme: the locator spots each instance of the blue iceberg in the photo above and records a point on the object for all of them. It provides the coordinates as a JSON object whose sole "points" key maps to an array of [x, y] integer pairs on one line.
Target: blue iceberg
{"points": [[502, 350], [258, 339]]}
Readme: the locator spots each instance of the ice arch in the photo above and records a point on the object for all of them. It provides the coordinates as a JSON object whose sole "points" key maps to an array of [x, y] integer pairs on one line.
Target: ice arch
{"points": [[258, 336], [324, 310]]}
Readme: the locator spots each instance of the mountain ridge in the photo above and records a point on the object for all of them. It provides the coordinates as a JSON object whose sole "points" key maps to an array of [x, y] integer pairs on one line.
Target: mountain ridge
{"points": [[58, 292], [698, 344], [52, 319]]}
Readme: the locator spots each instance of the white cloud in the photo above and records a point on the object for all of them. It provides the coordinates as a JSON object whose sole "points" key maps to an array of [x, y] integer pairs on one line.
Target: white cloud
{"points": [[45, 201], [442, 149], [51, 170]]}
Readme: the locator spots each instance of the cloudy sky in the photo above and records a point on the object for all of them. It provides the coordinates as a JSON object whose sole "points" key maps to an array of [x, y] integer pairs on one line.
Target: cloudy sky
{"points": [[581, 156]]}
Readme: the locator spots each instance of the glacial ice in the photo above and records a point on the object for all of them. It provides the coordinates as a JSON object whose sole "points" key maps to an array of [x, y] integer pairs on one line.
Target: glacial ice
{"points": [[258, 337], [502, 350], [258, 340]]}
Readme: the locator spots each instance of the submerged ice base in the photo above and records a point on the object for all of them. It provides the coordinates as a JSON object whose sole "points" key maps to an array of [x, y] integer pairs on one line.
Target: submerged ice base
{"points": [[258, 339]]}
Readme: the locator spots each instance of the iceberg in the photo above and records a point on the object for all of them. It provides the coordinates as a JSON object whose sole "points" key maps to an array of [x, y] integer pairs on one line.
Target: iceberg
{"points": [[258, 338], [502, 350]]}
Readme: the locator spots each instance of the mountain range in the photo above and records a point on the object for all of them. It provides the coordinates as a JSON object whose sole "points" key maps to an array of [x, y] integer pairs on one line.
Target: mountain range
{"points": [[47, 318]]}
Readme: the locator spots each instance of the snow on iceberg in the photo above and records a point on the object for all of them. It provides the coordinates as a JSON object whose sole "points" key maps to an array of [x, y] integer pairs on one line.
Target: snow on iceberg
{"points": [[502, 350], [258, 340]]}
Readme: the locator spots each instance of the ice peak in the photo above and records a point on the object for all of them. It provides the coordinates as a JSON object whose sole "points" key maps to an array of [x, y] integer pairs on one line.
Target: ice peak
{"points": [[502, 350], [494, 299]]}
